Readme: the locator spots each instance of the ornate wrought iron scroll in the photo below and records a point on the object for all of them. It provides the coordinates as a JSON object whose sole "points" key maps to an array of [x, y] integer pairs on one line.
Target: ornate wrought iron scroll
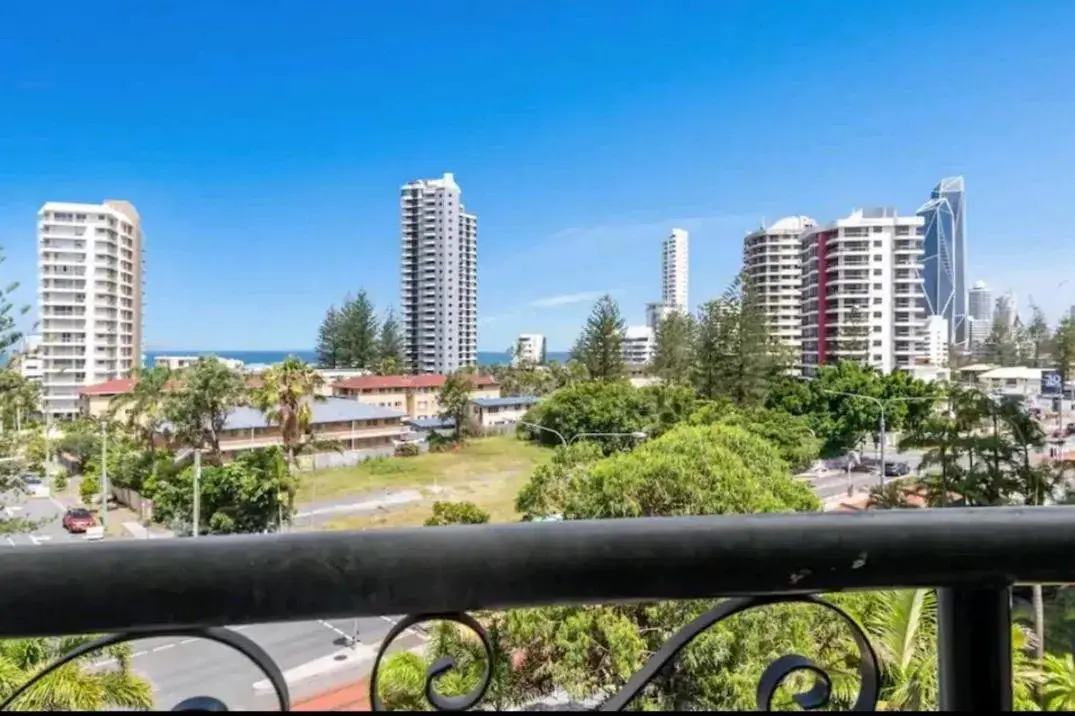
{"points": [[771, 679], [231, 639]]}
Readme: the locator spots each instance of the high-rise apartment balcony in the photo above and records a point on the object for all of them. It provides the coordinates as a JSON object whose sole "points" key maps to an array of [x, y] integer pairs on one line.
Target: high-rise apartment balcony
{"points": [[720, 570]]}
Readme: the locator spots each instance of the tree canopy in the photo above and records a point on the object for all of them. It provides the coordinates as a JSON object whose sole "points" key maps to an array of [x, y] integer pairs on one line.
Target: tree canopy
{"points": [[600, 345], [352, 337]]}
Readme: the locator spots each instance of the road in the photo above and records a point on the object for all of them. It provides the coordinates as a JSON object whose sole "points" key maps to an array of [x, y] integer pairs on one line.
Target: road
{"points": [[313, 656], [49, 510]]}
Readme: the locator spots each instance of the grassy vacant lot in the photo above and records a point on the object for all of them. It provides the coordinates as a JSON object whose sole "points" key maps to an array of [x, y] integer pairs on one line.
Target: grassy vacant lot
{"points": [[487, 471]]}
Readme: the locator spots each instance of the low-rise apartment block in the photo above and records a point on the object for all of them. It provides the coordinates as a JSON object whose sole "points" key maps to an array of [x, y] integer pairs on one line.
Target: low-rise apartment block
{"points": [[500, 412], [349, 424], [414, 395]]}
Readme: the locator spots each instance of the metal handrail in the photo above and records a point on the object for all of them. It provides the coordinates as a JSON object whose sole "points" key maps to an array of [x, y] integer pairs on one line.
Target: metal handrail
{"points": [[181, 583]]}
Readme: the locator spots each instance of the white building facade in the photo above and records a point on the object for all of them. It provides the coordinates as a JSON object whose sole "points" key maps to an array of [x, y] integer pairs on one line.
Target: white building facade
{"points": [[772, 260], [674, 267], [529, 348], [438, 277], [936, 344], [89, 298], [862, 291], [639, 343]]}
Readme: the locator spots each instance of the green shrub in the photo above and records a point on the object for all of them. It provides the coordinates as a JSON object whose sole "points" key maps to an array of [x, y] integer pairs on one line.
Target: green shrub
{"points": [[407, 450], [59, 479], [89, 487]]}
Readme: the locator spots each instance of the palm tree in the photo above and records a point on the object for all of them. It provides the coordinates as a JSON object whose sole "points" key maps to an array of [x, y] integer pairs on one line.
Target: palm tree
{"points": [[286, 397], [78, 686], [1058, 682], [903, 630], [890, 496], [145, 403]]}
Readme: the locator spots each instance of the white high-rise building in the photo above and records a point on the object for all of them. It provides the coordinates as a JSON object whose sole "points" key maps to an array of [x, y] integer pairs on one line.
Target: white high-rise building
{"points": [[89, 298], [862, 291], [529, 348], [439, 277], [639, 343], [980, 321], [772, 258], [980, 302], [674, 267]]}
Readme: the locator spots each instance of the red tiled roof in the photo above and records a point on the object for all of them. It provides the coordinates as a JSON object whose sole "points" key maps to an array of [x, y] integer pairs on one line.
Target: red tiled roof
{"points": [[402, 382], [109, 387]]}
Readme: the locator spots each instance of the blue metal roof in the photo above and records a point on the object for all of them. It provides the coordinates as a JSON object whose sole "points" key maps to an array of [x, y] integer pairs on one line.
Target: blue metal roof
{"points": [[329, 410], [431, 423], [504, 402]]}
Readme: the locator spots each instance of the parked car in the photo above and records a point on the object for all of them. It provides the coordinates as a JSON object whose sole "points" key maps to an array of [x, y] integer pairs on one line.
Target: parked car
{"points": [[897, 469], [78, 519]]}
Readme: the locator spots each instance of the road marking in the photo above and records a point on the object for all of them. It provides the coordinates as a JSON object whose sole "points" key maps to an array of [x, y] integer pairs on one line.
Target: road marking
{"points": [[38, 539], [57, 503], [342, 633], [187, 641], [328, 664], [163, 647], [10, 541], [415, 630]]}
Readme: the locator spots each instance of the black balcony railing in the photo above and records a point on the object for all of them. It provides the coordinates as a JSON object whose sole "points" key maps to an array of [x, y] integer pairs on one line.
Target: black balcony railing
{"points": [[194, 587]]}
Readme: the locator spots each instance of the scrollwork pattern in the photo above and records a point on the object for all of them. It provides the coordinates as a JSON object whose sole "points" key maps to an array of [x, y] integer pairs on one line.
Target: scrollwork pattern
{"points": [[771, 679], [440, 666], [231, 639]]}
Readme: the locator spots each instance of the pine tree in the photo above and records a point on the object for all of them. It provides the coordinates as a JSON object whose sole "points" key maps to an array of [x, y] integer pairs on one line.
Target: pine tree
{"points": [[600, 346], [389, 346], [674, 354], [358, 333], [856, 335], [709, 342], [9, 335], [735, 357], [329, 348], [1038, 337], [1001, 348], [1064, 348]]}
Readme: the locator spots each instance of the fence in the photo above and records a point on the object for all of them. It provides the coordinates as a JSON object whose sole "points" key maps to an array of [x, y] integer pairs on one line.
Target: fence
{"points": [[191, 588]]}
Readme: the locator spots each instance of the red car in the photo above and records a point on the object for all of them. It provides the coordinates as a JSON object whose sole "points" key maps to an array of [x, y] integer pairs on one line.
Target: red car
{"points": [[78, 520]]}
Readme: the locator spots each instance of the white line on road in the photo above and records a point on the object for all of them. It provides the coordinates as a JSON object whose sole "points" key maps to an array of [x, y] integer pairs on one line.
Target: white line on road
{"points": [[342, 633], [162, 647], [10, 541], [57, 503], [322, 666]]}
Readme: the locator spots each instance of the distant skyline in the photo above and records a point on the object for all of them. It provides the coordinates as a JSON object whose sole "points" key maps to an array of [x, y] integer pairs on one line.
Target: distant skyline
{"points": [[266, 157]]}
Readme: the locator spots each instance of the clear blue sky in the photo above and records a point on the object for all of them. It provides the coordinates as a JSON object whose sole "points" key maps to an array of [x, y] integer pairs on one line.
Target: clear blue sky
{"points": [[265, 149]]}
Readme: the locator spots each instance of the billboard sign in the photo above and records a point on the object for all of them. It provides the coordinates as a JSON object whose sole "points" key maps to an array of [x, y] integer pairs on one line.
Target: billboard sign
{"points": [[1051, 384]]}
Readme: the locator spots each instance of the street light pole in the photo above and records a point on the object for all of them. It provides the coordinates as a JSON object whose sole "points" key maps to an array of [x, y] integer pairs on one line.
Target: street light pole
{"points": [[104, 477], [548, 430], [197, 490]]}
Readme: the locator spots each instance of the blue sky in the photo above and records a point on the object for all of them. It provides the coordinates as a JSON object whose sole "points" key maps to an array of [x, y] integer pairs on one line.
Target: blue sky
{"points": [[265, 149]]}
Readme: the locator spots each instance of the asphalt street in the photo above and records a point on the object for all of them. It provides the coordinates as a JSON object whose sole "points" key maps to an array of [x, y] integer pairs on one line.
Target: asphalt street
{"points": [[312, 654], [47, 510]]}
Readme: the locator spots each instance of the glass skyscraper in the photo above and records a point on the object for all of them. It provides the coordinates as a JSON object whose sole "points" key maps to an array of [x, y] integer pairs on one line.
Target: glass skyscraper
{"points": [[944, 262]]}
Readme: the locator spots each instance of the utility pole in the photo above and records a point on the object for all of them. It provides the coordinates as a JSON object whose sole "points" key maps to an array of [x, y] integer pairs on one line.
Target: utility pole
{"points": [[197, 489], [104, 477]]}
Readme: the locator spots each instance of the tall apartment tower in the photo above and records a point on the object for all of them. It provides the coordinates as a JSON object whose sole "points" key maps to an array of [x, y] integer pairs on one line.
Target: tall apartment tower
{"points": [[945, 258], [862, 294], [438, 277], [674, 266], [89, 298], [980, 321], [772, 260]]}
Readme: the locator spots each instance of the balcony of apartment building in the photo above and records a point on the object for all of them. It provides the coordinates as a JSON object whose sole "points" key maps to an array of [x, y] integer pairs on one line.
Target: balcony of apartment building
{"points": [[726, 573]]}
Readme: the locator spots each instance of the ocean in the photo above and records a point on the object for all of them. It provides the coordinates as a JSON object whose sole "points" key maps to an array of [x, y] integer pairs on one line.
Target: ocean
{"points": [[270, 357]]}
